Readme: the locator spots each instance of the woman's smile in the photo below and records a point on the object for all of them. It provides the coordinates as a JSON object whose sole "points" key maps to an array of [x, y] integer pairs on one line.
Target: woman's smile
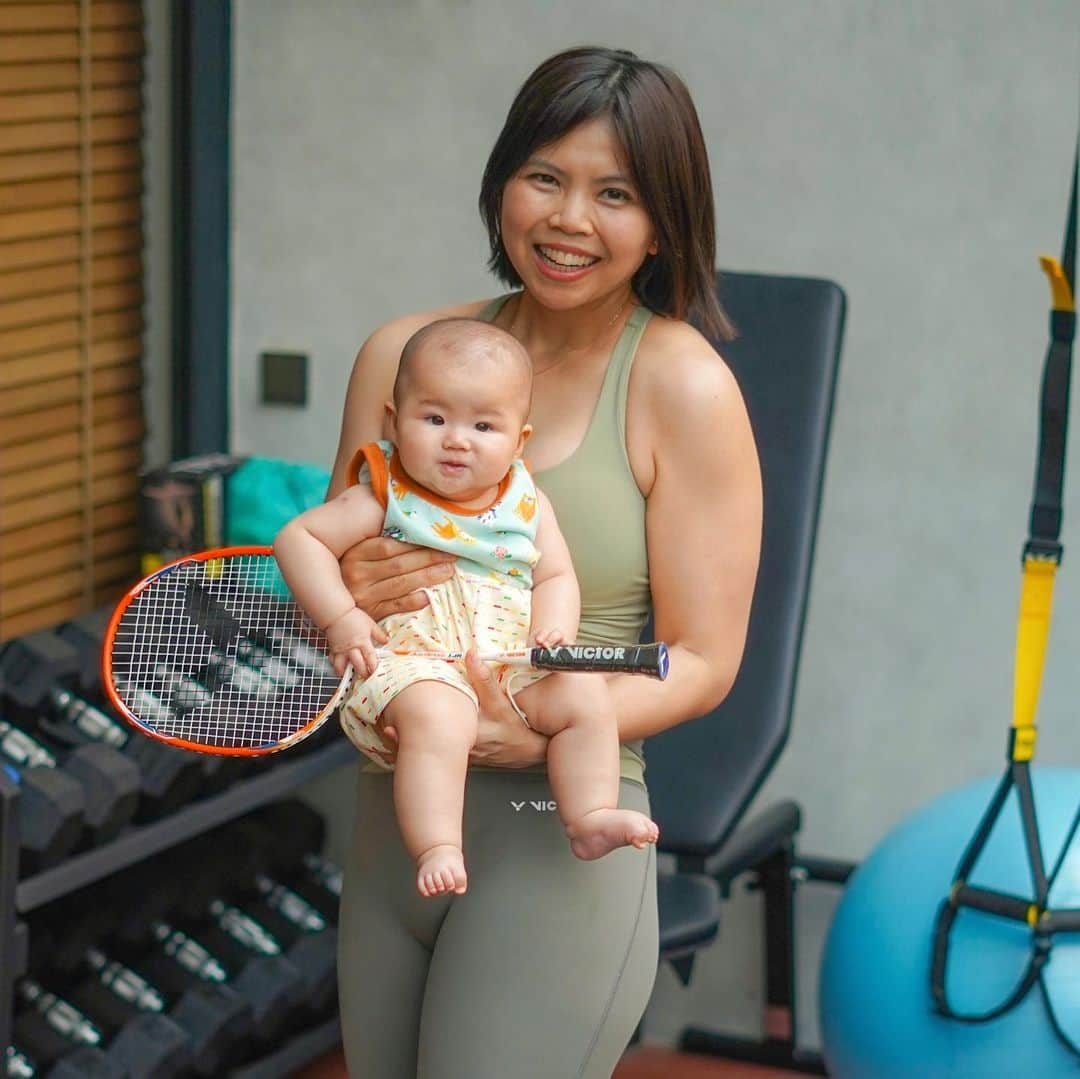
{"points": [[561, 264]]}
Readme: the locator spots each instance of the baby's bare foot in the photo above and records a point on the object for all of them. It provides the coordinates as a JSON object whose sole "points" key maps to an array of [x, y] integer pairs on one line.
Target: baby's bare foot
{"points": [[601, 831], [441, 869]]}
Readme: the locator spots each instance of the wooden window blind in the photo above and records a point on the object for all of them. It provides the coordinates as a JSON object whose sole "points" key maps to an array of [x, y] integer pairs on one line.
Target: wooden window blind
{"points": [[71, 294]]}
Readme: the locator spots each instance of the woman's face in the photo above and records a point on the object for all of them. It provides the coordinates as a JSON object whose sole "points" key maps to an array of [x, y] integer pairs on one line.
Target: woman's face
{"points": [[573, 223]]}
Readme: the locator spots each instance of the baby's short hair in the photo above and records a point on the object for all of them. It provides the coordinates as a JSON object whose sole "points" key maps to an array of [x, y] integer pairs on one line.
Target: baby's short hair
{"points": [[462, 338]]}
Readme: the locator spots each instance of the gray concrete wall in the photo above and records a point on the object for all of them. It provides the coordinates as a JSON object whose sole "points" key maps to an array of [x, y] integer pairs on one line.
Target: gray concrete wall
{"points": [[916, 153]]}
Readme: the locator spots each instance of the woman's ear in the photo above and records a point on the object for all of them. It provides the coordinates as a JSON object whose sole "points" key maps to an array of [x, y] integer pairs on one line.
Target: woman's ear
{"points": [[653, 247]]}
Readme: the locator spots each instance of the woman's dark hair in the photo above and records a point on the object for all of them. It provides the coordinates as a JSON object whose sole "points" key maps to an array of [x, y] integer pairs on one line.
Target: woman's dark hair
{"points": [[657, 126]]}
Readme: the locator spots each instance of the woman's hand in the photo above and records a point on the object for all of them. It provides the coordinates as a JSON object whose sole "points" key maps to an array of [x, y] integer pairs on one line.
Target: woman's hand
{"points": [[388, 577], [502, 740]]}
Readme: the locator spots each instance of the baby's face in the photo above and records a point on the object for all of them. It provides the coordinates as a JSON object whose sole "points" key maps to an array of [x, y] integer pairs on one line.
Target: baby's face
{"points": [[459, 425]]}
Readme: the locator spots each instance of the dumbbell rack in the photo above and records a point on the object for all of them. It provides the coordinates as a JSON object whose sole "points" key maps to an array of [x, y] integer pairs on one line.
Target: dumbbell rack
{"points": [[19, 897]]}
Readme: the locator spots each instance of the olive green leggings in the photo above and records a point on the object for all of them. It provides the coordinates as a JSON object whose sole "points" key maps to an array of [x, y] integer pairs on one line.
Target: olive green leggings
{"points": [[541, 970]]}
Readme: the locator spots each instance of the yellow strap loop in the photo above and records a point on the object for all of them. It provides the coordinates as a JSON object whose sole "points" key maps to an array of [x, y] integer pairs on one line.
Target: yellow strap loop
{"points": [[1061, 296]]}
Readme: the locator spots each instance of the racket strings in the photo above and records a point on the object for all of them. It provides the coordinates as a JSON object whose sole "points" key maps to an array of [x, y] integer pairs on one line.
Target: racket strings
{"points": [[213, 653]]}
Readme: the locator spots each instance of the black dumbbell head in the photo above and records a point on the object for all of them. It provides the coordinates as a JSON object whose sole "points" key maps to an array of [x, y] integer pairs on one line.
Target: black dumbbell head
{"points": [[31, 664], [218, 1024], [51, 807], [86, 634], [86, 1064], [274, 988], [111, 782], [151, 1047]]}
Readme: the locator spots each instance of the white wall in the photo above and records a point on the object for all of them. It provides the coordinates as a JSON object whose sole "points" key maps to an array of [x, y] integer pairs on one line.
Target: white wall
{"points": [[916, 153]]}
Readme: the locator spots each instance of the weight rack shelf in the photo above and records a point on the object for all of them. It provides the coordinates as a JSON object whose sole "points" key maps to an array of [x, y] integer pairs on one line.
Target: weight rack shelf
{"points": [[294, 1054], [21, 896]]}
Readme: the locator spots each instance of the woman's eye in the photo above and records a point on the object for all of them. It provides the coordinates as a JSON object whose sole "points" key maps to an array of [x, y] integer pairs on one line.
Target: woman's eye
{"points": [[542, 177], [616, 194]]}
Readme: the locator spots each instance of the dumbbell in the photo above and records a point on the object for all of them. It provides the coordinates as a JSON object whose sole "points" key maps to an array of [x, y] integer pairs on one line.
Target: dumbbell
{"points": [[305, 935], [179, 958], [174, 884], [247, 1012], [214, 1023], [112, 781], [18, 1064], [109, 780], [51, 805], [33, 672], [142, 1046], [177, 884], [319, 881], [86, 1064], [86, 634]]}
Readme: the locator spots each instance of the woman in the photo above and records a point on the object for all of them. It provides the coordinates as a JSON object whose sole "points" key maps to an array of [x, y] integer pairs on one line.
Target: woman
{"points": [[598, 205]]}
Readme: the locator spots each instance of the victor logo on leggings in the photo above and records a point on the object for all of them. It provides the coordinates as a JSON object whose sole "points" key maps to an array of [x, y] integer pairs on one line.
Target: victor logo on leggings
{"points": [[540, 807]]}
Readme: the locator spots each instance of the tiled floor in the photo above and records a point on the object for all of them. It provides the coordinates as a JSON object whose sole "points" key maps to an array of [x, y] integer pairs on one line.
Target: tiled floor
{"points": [[644, 1063]]}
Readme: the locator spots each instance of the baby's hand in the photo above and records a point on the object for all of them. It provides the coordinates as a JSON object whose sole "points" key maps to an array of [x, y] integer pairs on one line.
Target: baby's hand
{"points": [[352, 639], [548, 638]]}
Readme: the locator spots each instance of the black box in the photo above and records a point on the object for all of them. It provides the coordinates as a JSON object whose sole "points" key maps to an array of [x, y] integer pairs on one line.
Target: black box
{"points": [[182, 507]]}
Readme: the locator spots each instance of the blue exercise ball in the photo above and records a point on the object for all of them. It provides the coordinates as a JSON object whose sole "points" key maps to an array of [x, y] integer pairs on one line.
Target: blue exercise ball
{"points": [[877, 1015]]}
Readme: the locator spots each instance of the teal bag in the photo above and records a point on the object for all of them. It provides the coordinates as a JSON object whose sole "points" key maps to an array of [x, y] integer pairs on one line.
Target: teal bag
{"points": [[264, 494]]}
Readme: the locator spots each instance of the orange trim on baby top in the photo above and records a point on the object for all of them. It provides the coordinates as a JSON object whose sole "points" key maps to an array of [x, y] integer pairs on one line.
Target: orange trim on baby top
{"points": [[371, 456]]}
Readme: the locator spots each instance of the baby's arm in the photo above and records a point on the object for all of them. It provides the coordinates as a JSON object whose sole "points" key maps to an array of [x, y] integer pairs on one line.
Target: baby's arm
{"points": [[556, 598], [307, 550]]}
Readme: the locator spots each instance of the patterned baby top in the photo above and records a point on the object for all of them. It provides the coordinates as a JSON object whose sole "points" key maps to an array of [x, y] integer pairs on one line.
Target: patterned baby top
{"points": [[494, 541]]}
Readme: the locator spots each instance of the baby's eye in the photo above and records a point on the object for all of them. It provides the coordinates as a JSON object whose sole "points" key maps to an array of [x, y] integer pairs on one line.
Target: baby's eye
{"points": [[435, 420], [483, 426]]}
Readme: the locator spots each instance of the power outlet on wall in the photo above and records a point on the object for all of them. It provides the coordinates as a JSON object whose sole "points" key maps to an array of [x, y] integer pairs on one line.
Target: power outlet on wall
{"points": [[283, 378]]}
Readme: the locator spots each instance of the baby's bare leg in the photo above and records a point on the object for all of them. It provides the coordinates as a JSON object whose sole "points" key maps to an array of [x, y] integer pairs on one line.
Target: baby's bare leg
{"points": [[436, 727], [576, 713]]}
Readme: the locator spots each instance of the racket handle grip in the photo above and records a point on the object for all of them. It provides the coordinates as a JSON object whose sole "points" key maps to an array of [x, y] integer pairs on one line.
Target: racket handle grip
{"points": [[650, 659]]}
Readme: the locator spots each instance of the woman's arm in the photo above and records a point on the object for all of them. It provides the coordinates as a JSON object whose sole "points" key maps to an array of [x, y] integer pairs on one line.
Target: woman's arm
{"points": [[556, 598], [703, 531]]}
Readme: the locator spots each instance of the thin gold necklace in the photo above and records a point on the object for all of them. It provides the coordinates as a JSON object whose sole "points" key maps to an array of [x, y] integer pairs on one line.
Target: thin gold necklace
{"points": [[582, 348]]}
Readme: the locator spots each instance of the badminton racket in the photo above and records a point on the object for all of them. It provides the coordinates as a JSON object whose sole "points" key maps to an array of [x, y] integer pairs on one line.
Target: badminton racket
{"points": [[211, 653]]}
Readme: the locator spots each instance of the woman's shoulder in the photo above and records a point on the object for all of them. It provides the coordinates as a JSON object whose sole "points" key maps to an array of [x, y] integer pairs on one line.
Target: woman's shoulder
{"points": [[675, 363]]}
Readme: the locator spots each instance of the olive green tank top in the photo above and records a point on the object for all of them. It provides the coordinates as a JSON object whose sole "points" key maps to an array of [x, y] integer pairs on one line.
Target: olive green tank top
{"points": [[601, 513]]}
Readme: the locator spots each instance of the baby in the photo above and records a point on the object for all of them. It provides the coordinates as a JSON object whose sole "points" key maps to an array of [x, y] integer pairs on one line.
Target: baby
{"points": [[453, 478]]}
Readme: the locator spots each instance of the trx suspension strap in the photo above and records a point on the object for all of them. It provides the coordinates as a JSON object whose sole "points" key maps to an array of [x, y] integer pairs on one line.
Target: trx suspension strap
{"points": [[1041, 558]]}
